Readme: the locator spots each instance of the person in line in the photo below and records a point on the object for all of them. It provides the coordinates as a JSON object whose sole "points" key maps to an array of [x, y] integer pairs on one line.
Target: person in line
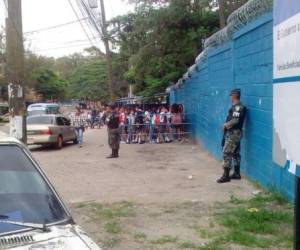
{"points": [[169, 126], [157, 125], [122, 122], [147, 121], [152, 126], [176, 121], [163, 125], [79, 122], [93, 116], [232, 138], [140, 126], [131, 127], [112, 122]]}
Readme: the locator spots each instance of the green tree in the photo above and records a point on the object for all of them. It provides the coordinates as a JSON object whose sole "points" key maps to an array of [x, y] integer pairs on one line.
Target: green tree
{"points": [[160, 40], [225, 8], [49, 85], [88, 81]]}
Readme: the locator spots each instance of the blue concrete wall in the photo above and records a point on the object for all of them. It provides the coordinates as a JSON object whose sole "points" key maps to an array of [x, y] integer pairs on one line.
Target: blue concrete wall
{"points": [[245, 62]]}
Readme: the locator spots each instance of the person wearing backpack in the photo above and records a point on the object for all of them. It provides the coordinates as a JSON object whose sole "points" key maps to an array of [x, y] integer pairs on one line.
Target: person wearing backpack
{"points": [[163, 117]]}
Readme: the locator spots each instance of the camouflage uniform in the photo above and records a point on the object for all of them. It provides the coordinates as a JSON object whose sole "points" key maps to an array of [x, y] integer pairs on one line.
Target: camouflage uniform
{"points": [[114, 138], [232, 141], [112, 122]]}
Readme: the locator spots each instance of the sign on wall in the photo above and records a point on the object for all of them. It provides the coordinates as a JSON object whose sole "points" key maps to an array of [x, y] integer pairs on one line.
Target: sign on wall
{"points": [[286, 90]]}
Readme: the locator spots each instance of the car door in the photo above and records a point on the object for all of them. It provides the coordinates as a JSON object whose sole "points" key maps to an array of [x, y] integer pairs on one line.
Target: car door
{"points": [[70, 130], [61, 127]]}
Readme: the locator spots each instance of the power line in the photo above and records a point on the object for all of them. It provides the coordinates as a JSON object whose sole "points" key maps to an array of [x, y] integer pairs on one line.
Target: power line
{"points": [[92, 17], [64, 47], [67, 42], [55, 26], [83, 13], [78, 18]]}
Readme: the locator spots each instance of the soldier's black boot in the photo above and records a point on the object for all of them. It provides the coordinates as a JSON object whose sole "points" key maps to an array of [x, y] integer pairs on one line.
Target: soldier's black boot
{"points": [[113, 155], [117, 153], [236, 175], [225, 177]]}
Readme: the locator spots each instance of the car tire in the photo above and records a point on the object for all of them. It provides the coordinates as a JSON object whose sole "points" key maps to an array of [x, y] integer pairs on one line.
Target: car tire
{"points": [[60, 142]]}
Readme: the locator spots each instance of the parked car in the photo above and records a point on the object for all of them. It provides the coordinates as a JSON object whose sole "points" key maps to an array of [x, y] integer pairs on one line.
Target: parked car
{"points": [[50, 130], [43, 109], [32, 215]]}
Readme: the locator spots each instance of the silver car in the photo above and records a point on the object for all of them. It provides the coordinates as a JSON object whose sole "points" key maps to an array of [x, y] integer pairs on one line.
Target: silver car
{"points": [[32, 215], [50, 130]]}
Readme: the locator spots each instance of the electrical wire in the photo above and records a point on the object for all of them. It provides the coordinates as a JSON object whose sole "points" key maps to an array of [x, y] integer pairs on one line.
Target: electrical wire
{"points": [[90, 20], [83, 13], [55, 26], [92, 15], [78, 18], [65, 47]]}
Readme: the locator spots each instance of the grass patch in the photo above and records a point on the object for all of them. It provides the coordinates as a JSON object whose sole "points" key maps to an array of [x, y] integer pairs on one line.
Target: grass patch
{"points": [[214, 245], [204, 233], [186, 245], [140, 237], [165, 240], [113, 227], [263, 221], [109, 243], [81, 205], [108, 212]]}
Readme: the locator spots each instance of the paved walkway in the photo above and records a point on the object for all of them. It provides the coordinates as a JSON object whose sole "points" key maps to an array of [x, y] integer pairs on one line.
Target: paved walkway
{"points": [[144, 173]]}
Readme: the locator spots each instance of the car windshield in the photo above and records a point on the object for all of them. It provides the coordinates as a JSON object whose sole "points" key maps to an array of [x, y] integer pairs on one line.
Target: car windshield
{"points": [[24, 194], [37, 112], [40, 120]]}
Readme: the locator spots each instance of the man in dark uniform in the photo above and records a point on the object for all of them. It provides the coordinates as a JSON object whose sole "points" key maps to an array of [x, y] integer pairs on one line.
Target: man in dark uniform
{"points": [[232, 138], [112, 122]]}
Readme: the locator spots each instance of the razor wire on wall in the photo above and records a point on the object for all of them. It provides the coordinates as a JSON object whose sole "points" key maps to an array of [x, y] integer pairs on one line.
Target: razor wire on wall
{"points": [[239, 18]]}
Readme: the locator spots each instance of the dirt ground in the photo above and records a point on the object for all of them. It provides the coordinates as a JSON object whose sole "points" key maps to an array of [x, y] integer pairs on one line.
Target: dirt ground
{"points": [[145, 173], [152, 197]]}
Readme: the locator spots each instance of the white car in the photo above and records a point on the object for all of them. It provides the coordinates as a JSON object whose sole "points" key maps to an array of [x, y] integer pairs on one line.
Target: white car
{"points": [[32, 216], [50, 130]]}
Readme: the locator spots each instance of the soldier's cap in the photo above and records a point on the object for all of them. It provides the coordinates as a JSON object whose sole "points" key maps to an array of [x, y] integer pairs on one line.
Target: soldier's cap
{"points": [[236, 92]]}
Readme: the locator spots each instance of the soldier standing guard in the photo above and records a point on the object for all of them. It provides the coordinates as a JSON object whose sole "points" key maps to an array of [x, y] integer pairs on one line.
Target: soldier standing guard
{"points": [[112, 122], [232, 138]]}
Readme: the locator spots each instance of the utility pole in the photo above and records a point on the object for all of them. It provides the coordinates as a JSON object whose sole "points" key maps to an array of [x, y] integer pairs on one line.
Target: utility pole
{"points": [[105, 39], [15, 69]]}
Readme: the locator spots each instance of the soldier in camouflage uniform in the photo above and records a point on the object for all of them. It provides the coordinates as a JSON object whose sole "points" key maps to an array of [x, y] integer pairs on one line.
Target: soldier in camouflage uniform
{"points": [[232, 138], [112, 122]]}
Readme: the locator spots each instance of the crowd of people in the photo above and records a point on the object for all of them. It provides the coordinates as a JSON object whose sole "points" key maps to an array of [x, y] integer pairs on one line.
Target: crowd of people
{"points": [[152, 125], [162, 125], [137, 125]]}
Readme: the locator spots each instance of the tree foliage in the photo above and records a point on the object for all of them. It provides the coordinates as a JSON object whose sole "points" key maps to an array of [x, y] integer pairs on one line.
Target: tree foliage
{"points": [[160, 40], [226, 7], [49, 85], [88, 81]]}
